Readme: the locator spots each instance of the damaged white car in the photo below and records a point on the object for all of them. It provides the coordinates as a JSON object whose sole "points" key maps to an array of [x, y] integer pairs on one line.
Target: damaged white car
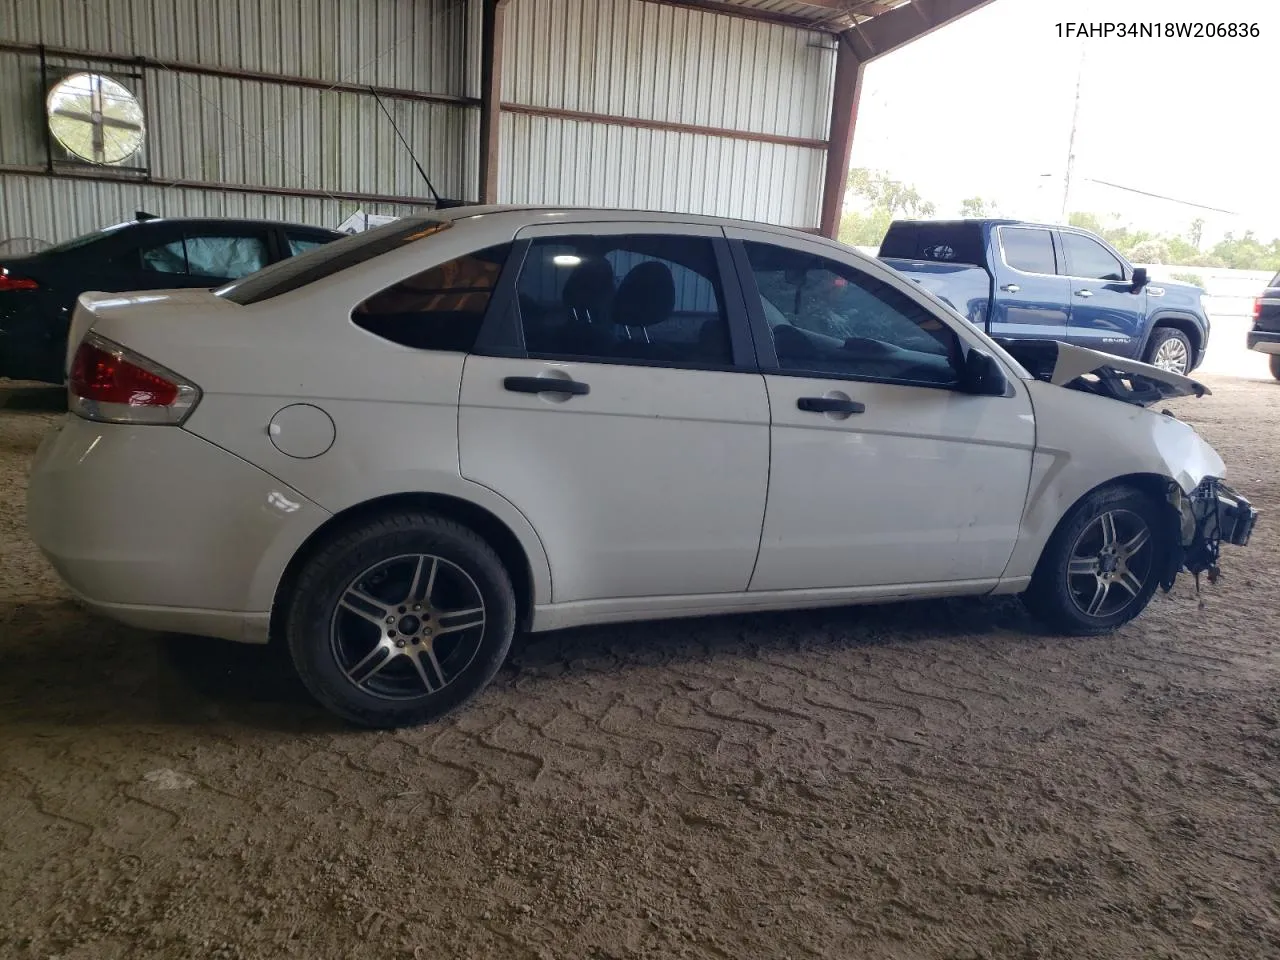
{"points": [[396, 450]]}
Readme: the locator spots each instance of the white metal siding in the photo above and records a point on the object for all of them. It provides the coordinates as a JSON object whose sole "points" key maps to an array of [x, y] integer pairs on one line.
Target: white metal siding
{"points": [[553, 160], [630, 58], [410, 44], [243, 131], [654, 62], [59, 208]]}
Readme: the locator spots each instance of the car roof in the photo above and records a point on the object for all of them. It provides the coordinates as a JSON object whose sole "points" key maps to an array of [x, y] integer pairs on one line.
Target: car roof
{"points": [[147, 223], [531, 215]]}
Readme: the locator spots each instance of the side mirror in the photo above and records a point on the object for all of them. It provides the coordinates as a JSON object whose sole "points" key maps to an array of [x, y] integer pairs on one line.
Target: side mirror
{"points": [[1140, 279], [982, 375]]}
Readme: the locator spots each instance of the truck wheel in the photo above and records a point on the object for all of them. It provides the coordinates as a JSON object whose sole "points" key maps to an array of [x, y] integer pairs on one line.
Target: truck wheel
{"points": [[1275, 365], [1102, 565], [1170, 350]]}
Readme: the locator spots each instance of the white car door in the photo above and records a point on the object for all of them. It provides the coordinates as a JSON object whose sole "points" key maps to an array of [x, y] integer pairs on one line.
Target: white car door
{"points": [[883, 472], [626, 420]]}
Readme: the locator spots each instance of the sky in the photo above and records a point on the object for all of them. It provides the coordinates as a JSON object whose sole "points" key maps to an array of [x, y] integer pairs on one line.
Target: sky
{"points": [[984, 107]]}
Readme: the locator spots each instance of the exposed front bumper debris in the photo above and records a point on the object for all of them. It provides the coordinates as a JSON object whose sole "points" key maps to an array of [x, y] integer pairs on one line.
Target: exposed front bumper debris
{"points": [[1212, 514]]}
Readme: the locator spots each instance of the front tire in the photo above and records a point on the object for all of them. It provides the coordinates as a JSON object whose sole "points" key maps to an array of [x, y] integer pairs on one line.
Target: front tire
{"points": [[1275, 365], [1170, 350], [1102, 565], [400, 620]]}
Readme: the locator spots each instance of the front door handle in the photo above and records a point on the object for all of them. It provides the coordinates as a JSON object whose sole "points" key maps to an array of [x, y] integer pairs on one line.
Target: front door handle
{"points": [[1011, 288], [1084, 293], [546, 385], [830, 405]]}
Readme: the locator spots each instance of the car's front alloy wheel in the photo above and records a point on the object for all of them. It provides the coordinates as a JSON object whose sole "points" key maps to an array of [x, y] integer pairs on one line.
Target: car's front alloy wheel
{"points": [[1111, 561], [1103, 563], [400, 620]]}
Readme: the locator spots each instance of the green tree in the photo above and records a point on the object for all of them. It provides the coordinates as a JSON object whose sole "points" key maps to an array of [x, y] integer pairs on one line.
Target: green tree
{"points": [[879, 191], [880, 200], [1196, 233], [976, 208]]}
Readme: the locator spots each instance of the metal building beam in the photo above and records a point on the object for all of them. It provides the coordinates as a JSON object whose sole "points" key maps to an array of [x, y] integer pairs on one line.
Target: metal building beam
{"points": [[885, 33], [749, 13], [493, 23], [844, 116]]}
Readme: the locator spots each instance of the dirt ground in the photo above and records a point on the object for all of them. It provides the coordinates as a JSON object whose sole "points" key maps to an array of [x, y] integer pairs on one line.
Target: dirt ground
{"points": [[928, 781]]}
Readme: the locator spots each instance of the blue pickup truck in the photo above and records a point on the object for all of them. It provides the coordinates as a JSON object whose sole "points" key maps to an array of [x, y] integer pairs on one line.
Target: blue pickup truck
{"points": [[1030, 281]]}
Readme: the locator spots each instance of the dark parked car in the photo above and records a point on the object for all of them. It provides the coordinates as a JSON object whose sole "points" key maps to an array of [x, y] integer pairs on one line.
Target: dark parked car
{"points": [[1265, 335], [1030, 281], [38, 292]]}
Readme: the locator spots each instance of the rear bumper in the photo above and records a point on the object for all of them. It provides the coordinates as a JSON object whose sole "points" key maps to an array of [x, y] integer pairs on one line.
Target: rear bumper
{"points": [[157, 528], [1264, 341]]}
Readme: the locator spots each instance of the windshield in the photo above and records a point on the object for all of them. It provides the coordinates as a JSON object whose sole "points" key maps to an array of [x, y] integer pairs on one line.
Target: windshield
{"points": [[86, 239], [328, 259]]}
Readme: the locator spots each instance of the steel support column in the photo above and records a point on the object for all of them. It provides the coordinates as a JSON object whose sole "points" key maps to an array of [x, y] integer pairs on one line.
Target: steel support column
{"points": [[491, 35], [844, 116]]}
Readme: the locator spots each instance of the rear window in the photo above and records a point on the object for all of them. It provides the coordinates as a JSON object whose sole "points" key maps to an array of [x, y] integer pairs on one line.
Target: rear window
{"points": [[86, 239], [440, 308], [306, 268], [956, 242], [1275, 281]]}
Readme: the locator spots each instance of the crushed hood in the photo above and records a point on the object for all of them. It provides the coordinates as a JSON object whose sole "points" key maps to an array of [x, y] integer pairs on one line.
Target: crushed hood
{"points": [[1092, 371]]}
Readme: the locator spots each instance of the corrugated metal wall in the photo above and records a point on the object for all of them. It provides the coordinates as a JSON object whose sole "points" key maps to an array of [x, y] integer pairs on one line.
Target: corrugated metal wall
{"points": [[248, 131], [669, 65], [52, 209]]}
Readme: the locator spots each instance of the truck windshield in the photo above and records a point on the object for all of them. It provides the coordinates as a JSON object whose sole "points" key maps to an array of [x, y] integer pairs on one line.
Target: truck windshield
{"points": [[326, 260], [944, 242]]}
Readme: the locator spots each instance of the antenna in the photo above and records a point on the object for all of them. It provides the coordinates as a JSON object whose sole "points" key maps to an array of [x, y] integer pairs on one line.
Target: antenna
{"points": [[441, 202]]}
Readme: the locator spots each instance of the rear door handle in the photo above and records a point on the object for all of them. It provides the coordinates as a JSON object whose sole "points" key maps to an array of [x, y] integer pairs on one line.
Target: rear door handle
{"points": [[1084, 293], [546, 385], [830, 405], [1011, 288]]}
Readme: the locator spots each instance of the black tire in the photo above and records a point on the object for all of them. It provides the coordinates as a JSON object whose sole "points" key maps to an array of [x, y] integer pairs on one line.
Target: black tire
{"points": [[1275, 365], [1055, 595], [1162, 335], [381, 558]]}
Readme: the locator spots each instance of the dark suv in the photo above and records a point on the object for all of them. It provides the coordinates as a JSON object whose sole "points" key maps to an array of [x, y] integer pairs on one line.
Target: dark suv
{"points": [[1265, 335], [38, 292]]}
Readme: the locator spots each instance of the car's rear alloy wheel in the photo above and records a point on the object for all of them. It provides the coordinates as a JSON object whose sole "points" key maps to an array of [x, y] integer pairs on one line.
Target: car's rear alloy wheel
{"points": [[1103, 563], [400, 620], [1275, 365], [407, 626], [1170, 350]]}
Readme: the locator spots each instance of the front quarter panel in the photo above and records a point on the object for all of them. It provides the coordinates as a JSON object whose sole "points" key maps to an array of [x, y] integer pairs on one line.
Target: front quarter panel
{"points": [[1085, 441]]}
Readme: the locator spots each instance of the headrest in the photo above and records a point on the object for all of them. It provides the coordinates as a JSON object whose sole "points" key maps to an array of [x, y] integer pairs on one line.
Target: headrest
{"points": [[590, 286], [646, 296]]}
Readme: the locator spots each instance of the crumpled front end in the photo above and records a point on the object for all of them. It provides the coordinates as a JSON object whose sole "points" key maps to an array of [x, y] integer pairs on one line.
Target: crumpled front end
{"points": [[1210, 515]]}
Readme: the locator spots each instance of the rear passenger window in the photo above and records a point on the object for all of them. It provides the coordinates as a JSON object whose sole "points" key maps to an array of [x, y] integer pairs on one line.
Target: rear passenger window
{"points": [[440, 308], [642, 299], [225, 257], [299, 244], [1030, 251]]}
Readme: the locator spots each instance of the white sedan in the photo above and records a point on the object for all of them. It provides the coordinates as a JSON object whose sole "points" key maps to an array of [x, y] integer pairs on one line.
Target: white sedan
{"points": [[396, 450]]}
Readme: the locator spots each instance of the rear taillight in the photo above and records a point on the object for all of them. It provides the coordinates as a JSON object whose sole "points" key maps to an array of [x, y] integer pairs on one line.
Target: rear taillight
{"points": [[1257, 307], [112, 384], [10, 282]]}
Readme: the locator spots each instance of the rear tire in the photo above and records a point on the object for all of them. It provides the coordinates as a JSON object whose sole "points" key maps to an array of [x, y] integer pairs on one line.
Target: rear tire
{"points": [[1170, 349], [1275, 365], [1102, 565], [400, 620]]}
